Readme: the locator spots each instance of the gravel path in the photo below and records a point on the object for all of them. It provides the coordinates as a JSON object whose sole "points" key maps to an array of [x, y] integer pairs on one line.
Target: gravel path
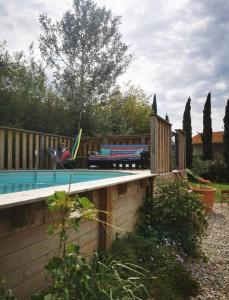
{"points": [[213, 275]]}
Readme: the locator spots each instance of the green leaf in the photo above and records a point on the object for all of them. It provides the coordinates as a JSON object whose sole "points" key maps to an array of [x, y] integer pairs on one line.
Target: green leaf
{"points": [[86, 203], [50, 230], [48, 297]]}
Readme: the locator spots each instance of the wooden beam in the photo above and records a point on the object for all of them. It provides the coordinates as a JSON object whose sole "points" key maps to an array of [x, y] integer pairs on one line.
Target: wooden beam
{"points": [[153, 144], [2, 148]]}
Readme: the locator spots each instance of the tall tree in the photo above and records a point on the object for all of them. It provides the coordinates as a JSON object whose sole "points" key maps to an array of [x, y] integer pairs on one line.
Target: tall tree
{"points": [[154, 105], [207, 130], [187, 127], [125, 112], [226, 135], [85, 47]]}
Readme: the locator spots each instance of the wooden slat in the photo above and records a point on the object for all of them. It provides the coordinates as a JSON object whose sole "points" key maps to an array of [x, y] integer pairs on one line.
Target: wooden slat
{"points": [[9, 154], [42, 151], [24, 152], [17, 150], [37, 148], [31, 151], [153, 144], [31, 286], [2, 148], [47, 158]]}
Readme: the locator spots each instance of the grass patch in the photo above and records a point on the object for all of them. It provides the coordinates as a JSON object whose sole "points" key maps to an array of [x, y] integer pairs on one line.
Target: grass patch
{"points": [[219, 187]]}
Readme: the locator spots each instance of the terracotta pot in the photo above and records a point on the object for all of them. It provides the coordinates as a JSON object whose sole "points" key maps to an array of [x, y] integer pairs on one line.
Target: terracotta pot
{"points": [[207, 196]]}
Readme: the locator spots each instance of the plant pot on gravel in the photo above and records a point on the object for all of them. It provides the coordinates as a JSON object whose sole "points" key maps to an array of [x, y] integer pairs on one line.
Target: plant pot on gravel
{"points": [[207, 196]]}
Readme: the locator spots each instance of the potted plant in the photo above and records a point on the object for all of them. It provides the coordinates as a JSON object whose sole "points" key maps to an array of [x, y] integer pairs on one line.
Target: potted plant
{"points": [[207, 193]]}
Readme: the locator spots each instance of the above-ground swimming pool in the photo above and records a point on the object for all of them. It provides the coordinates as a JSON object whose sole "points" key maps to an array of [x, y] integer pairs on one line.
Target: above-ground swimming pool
{"points": [[16, 181]]}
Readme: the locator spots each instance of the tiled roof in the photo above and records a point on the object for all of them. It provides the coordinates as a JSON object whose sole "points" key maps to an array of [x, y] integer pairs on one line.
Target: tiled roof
{"points": [[217, 138]]}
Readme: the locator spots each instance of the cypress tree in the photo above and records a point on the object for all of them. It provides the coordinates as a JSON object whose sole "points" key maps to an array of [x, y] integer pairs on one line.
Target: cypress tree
{"points": [[207, 130], [226, 135], [187, 127], [154, 105]]}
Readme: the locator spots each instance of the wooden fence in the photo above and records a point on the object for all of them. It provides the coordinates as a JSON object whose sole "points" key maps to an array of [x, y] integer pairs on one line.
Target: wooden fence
{"points": [[160, 145], [90, 144], [17, 148]]}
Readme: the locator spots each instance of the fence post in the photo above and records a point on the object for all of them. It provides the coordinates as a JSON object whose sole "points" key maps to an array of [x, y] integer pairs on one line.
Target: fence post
{"points": [[2, 148], [153, 144], [181, 149]]}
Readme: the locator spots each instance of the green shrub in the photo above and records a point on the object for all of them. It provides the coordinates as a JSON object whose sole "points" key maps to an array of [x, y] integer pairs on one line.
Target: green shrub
{"points": [[72, 276], [201, 167], [215, 170], [174, 216], [170, 278], [118, 279], [218, 171], [5, 292]]}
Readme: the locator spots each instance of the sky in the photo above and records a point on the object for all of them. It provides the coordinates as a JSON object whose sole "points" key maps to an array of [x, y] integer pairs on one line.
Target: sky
{"points": [[180, 48]]}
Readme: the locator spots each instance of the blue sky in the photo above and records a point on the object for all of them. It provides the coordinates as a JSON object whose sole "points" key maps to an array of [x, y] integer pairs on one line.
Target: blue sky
{"points": [[180, 48]]}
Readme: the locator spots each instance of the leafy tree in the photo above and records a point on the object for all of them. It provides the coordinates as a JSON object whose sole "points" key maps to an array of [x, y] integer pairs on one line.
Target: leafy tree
{"points": [[22, 89], [124, 113], [86, 50], [187, 127], [207, 130], [226, 135], [154, 105]]}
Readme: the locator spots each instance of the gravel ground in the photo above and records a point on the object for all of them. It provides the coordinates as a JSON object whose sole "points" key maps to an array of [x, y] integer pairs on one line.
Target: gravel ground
{"points": [[213, 275]]}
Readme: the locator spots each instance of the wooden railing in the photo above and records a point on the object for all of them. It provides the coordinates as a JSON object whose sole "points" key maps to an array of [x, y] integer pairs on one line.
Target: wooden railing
{"points": [[17, 148], [90, 144], [160, 145]]}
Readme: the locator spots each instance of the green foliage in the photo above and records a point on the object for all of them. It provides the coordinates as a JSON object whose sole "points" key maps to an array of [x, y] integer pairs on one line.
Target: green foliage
{"points": [[69, 272], [187, 127], [226, 135], [174, 215], [117, 279], [215, 170], [169, 279], [71, 275], [125, 112], [207, 130], [86, 51], [201, 167], [5, 292], [27, 101]]}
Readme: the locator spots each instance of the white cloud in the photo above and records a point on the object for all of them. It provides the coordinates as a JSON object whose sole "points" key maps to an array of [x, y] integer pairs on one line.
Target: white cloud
{"points": [[180, 47]]}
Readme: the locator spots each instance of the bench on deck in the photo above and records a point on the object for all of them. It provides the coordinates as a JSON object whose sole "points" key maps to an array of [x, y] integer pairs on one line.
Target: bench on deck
{"points": [[111, 156]]}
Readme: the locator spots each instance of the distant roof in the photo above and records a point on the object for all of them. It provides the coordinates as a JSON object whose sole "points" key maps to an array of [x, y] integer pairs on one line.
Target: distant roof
{"points": [[217, 138]]}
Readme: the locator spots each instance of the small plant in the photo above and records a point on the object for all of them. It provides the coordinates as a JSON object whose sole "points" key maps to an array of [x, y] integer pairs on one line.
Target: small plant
{"points": [[72, 276], [117, 279], [169, 278], [5, 292], [174, 216], [69, 273]]}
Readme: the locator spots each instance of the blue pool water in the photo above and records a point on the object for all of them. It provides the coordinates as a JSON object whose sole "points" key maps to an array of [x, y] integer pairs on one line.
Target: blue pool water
{"points": [[16, 181]]}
